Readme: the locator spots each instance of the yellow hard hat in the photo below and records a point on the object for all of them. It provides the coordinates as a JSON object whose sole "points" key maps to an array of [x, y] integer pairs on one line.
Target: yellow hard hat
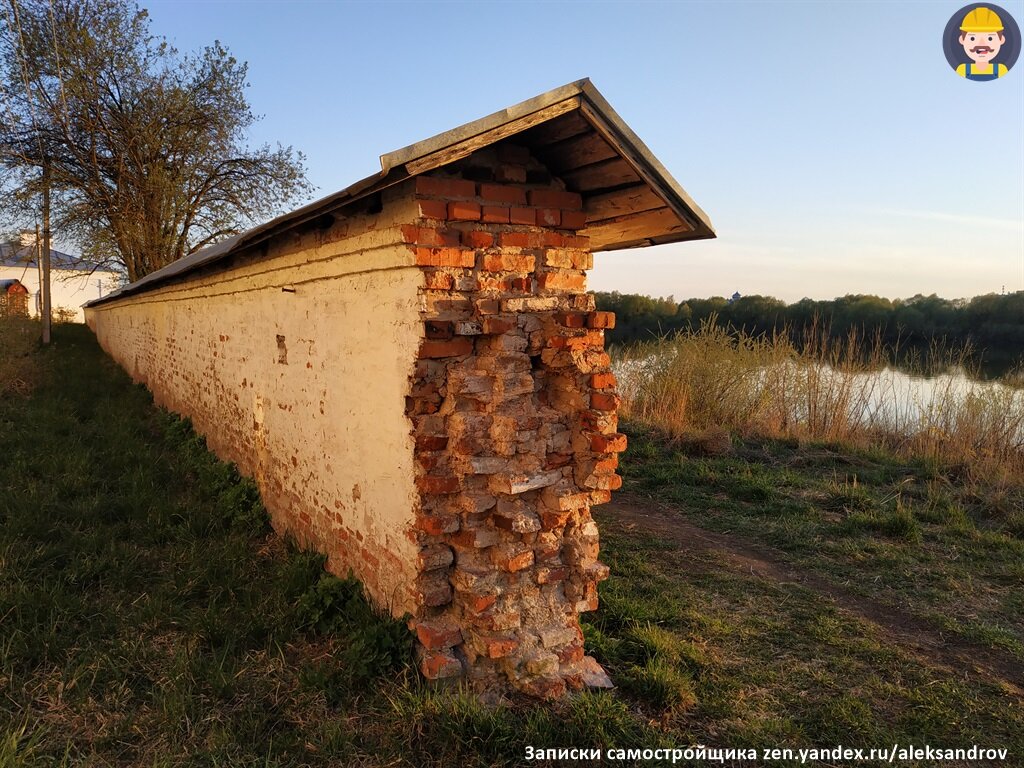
{"points": [[982, 19]]}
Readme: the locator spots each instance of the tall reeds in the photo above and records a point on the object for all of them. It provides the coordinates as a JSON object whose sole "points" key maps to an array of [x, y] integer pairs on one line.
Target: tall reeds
{"points": [[818, 388]]}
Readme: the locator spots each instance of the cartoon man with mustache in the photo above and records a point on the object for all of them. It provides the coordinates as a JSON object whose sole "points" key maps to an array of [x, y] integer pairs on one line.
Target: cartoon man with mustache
{"points": [[981, 35]]}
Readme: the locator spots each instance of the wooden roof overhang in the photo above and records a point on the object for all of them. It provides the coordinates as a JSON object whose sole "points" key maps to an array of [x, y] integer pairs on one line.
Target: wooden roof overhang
{"points": [[629, 197]]}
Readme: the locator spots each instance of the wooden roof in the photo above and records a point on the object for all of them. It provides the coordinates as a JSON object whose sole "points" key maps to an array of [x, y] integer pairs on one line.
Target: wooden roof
{"points": [[629, 197]]}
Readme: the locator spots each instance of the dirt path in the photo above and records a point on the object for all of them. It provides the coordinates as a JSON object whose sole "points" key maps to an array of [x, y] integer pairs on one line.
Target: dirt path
{"points": [[913, 633]]}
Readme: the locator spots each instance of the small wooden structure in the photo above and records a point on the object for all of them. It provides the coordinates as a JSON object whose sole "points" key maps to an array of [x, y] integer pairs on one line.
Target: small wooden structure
{"points": [[13, 299]]}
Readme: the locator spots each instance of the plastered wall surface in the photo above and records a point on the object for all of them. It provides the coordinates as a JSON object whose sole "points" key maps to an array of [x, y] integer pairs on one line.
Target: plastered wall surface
{"points": [[295, 364]]}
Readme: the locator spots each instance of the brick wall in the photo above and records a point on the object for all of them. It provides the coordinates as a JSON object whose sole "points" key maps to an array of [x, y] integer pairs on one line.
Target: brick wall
{"points": [[513, 410], [294, 361], [421, 392]]}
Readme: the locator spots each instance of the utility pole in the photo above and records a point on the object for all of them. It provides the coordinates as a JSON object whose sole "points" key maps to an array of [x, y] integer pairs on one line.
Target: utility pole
{"points": [[45, 286]]}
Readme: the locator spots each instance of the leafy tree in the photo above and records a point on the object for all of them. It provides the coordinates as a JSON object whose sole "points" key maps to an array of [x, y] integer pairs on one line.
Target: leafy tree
{"points": [[146, 149]]}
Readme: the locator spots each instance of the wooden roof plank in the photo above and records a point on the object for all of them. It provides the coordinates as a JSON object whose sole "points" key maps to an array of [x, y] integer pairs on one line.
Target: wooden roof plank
{"points": [[622, 202], [471, 144], [599, 176], [575, 152], [640, 226], [558, 130]]}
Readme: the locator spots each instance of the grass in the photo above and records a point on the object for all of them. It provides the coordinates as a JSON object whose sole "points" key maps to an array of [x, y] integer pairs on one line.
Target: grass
{"points": [[149, 616], [870, 521]]}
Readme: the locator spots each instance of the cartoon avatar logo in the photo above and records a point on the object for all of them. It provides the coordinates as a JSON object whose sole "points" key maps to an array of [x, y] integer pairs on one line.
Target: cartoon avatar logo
{"points": [[981, 35], [982, 42]]}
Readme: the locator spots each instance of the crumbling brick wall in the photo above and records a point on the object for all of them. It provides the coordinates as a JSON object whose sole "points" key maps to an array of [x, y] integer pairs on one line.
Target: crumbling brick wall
{"points": [[513, 408], [419, 386]]}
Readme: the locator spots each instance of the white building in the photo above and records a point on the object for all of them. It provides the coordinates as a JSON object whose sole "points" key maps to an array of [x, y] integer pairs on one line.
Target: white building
{"points": [[72, 281]]}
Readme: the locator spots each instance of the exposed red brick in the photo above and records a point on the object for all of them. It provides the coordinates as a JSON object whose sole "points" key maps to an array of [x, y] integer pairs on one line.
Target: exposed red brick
{"points": [[554, 460], [518, 239], [499, 648], [603, 380], [495, 324], [478, 239], [440, 664], [437, 525], [561, 281], [521, 284], [434, 484], [437, 281], [614, 443], [438, 329], [492, 214], [551, 575], [571, 319], [438, 187], [601, 320], [551, 239], [525, 216], [516, 562], [433, 209], [463, 210], [571, 654], [436, 636], [487, 306], [551, 519], [451, 348], [488, 282], [548, 217], [509, 262], [503, 193], [480, 603], [555, 198], [431, 442], [445, 257], [430, 236], [604, 401], [548, 688], [574, 220]]}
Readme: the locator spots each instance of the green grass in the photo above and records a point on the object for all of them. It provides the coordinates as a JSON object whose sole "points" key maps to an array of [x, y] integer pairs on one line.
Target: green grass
{"points": [[902, 532], [149, 616]]}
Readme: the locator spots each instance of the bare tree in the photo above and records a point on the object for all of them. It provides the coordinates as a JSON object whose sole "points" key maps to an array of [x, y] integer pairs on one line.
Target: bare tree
{"points": [[147, 149]]}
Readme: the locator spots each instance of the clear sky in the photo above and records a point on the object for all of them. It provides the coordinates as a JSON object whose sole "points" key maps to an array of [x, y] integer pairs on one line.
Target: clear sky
{"points": [[831, 144]]}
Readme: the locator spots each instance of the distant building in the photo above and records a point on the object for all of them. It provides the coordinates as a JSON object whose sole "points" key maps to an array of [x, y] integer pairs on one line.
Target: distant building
{"points": [[72, 280], [735, 297]]}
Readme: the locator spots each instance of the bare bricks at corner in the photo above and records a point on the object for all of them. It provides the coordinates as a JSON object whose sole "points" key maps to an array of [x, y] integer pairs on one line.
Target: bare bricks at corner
{"points": [[463, 200]]}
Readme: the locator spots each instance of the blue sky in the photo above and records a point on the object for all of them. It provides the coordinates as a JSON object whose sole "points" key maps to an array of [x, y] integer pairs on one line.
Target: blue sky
{"points": [[830, 142]]}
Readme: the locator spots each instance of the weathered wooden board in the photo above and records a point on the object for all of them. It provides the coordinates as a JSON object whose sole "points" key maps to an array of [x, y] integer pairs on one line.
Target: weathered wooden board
{"points": [[557, 130], [469, 145], [636, 227], [603, 175], [575, 152], [622, 202]]}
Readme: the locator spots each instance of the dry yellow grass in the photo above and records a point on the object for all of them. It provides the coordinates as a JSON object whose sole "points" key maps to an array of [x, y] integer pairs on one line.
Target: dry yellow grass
{"points": [[823, 390]]}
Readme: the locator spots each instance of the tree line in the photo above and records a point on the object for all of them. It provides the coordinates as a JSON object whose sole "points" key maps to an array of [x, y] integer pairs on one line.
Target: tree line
{"points": [[993, 322]]}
